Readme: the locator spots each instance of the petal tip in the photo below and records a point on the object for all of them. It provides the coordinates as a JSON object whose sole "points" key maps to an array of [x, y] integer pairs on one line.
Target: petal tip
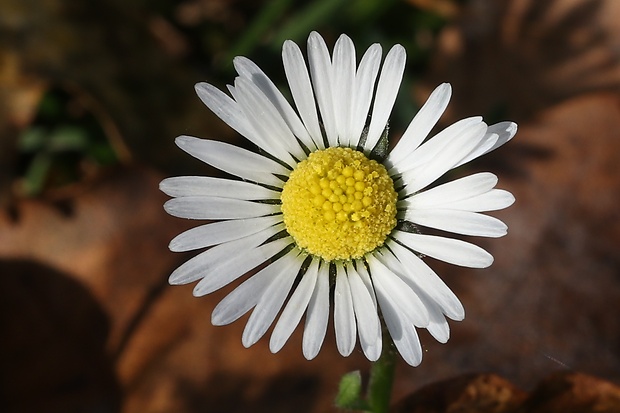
{"points": [[175, 246], [163, 185], [445, 89], [217, 320], [201, 89], [177, 279], [198, 292], [275, 345], [183, 140], [511, 198], [512, 129], [487, 261], [315, 37], [457, 313]]}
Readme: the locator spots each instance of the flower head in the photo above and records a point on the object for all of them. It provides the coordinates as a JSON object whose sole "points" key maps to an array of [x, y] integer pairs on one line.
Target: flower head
{"points": [[322, 206]]}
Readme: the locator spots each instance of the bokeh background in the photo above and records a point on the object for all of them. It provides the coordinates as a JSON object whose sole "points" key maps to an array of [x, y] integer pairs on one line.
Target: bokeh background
{"points": [[92, 95]]}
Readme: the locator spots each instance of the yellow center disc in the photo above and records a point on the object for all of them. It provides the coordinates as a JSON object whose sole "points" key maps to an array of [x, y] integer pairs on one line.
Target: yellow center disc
{"points": [[338, 204]]}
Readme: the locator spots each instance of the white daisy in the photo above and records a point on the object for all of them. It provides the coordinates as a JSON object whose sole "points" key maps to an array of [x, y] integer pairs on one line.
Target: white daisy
{"points": [[318, 209]]}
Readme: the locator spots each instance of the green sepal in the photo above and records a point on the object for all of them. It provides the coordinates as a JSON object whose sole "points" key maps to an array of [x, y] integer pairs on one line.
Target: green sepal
{"points": [[381, 150]]}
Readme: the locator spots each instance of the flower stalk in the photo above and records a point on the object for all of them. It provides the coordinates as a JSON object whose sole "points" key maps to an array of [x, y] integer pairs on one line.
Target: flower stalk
{"points": [[379, 389], [382, 377]]}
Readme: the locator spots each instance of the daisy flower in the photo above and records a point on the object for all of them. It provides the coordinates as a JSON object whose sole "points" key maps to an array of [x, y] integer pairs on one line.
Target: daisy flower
{"points": [[322, 216]]}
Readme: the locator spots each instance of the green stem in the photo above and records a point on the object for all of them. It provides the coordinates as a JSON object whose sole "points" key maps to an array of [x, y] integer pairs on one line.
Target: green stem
{"points": [[381, 378]]}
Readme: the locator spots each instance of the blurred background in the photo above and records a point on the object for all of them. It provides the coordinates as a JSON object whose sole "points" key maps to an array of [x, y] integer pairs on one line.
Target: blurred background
{"points": [[92, 95]]}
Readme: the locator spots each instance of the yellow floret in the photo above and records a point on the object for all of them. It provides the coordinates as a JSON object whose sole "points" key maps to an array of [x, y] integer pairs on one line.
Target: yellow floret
{"points": [[338, 204]]}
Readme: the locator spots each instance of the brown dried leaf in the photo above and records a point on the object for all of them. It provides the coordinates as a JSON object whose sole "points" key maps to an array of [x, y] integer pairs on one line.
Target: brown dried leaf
{"points": [[524, 55]]}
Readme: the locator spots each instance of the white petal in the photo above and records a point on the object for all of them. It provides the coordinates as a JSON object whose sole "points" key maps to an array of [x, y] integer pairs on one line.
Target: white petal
{"points": [[361, 270], [237, 265], [245, 67], [218, 187], [445, 160], [366, 316], [295, 308], [417, 274], [422, 123], [458, 222], [321, 72], [443, 196], [221, 232], [344, 77], [400, 327], [429, 150], [493, 200], [243, 298], [318, 314], [401, 294], [257, 135], [234, 160], [205, 262], [301, 89], [402, 332], [505, 130], [272, 300], [484, 146], [450, 250], [387, 90], [438, 325], [446, 140], [225, 108], [363, 91], [208, 207], [267, 122], [344, 316]]}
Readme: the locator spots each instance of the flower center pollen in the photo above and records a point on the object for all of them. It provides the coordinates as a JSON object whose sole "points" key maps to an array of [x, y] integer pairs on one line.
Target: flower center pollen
{"points": [[338, 204]]}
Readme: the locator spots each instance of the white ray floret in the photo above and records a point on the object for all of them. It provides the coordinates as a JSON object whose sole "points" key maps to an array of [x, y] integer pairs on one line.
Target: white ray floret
{"points": [[387, 89]]}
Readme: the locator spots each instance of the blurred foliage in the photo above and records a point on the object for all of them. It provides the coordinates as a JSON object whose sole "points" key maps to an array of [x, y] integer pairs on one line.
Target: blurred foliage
{"points": [[62, 142], [349, 395], [139, 68], [366, 21]]}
